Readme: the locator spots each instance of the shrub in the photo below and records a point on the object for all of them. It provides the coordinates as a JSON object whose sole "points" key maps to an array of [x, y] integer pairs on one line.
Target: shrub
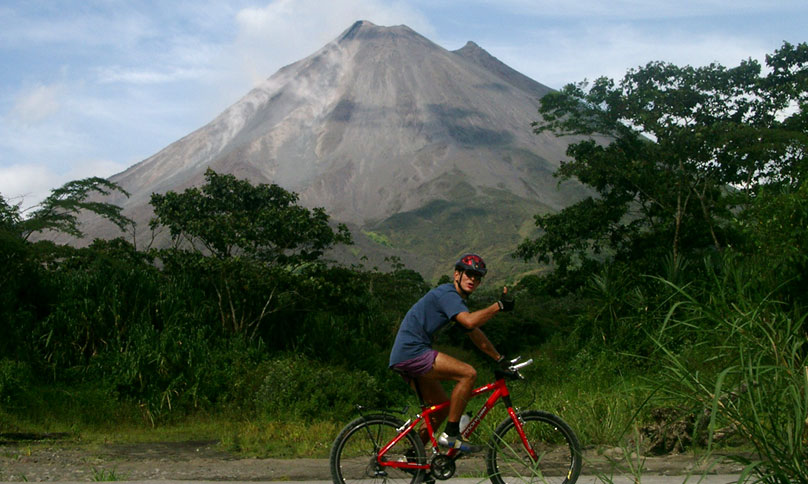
{"points": [[15, 378], [755, 383], [311, 390]]}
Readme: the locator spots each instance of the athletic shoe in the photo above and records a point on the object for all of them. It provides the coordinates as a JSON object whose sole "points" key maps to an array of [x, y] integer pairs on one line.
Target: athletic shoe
{"points": [[455, 442]]}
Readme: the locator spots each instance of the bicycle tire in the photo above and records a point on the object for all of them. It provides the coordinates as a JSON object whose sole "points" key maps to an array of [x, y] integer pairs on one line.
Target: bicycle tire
{"points": [[558, 447], [354, 452]]}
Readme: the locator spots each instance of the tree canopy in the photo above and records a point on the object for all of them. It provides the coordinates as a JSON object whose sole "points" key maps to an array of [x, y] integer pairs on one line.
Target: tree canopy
{"points": [[230, 217], [674, 155], [59, 211]]}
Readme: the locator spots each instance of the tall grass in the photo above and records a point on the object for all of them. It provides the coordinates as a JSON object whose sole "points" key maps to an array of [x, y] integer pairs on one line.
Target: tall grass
{"points": [[748, 375]]}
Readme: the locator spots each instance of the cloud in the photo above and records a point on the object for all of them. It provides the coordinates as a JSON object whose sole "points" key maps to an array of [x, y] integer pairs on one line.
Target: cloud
{"points": [[25, 184], [285, 31], [634, 9], [554, 57], [36, 104], [115, 74]]}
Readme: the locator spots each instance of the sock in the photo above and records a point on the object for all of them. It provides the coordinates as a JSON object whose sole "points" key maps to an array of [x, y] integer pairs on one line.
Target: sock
{"points": [[452, 429]]}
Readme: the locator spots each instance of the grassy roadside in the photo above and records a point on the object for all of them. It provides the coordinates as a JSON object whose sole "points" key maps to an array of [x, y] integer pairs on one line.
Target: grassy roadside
{"points": [[601, 407]]}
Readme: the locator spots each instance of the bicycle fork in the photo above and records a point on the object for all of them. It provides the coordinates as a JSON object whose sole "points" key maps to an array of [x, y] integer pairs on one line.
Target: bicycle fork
{"points": [[520, 430]]}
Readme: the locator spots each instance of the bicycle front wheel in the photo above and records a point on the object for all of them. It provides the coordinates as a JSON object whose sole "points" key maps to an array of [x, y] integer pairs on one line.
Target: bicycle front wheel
{"points": [[558, 452], [355, 450]]}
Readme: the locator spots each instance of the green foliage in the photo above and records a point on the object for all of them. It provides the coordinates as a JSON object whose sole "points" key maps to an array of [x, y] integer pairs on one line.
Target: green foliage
{"points": [[59, 211], [74, 407], [15, 379], [230, 217], [749, 373], [21, 295], [107, 475], [298, 386], [168, 332], [9, 215], [174, 369], [238, 293], [98, 293], [683, 149], [535, 320], [472, 219], [380, 239], [24, 287], [775, 226]]}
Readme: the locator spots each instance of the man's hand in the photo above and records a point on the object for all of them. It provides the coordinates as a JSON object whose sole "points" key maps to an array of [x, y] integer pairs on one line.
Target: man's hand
{"points": [[504, 368], [506, 301]]}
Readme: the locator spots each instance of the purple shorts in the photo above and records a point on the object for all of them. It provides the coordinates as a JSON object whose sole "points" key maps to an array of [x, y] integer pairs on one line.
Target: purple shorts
{"points": [[415, 367]]}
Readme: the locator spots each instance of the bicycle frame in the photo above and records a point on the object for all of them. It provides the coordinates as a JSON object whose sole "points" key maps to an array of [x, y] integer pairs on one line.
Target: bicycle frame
{"points": [[499, 390]]}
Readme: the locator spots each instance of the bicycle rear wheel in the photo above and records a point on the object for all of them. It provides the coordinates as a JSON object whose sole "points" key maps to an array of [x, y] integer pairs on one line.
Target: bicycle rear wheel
{"points": [[354, 452], [558, 449]]}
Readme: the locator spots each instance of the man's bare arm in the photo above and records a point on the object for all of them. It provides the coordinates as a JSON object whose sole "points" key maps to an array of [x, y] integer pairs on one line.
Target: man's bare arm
{"points": [[481, 341]]}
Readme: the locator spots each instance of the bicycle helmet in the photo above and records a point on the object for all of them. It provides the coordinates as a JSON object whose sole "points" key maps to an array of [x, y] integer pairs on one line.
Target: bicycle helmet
{"points": [[471, 262]]}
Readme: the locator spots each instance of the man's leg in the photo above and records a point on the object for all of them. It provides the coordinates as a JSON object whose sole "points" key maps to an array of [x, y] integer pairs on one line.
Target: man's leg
{"points": [[432, 393], [448, 368]]}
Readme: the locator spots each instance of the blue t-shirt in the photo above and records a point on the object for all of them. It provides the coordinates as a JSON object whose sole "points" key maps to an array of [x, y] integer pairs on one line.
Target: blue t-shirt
{"points": [[432, 312]]}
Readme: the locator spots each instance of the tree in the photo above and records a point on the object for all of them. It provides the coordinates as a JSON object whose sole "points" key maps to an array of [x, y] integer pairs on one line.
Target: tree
{"points": [[230, 217], [244, 240], [681, 151], [59, 211], [23, 285]]}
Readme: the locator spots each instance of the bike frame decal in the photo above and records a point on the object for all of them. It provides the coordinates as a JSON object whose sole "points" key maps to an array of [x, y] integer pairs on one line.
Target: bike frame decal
{"points": [[499, 391]]}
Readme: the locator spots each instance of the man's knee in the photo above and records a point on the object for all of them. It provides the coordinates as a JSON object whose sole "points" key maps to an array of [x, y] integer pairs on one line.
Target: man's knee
{"points": [[470, 374]]}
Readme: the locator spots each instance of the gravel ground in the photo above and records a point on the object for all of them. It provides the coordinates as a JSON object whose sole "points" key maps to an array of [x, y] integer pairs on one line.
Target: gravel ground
{"points": [[205, 461]]}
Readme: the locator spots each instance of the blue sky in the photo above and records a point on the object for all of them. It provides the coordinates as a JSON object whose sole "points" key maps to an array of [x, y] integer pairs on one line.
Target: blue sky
{"points": [[91, 87]]}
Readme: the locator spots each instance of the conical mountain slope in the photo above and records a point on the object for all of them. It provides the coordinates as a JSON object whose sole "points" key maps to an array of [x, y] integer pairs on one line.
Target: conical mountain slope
{"points": [[379, 123]]}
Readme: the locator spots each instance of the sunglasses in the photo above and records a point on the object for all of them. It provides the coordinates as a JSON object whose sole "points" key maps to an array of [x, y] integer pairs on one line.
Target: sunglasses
{"points": [[474, 275]]}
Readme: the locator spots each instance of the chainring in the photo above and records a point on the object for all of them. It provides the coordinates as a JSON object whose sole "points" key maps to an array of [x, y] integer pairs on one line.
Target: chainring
{"points": [[442, 467]]}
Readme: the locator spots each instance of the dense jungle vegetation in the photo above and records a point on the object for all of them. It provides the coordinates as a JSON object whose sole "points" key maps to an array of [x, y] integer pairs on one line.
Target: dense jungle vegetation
{"points": [[676, 298]]}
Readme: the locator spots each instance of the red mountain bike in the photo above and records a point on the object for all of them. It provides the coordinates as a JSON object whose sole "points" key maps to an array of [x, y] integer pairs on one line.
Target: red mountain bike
{"points": [[528, 446]]}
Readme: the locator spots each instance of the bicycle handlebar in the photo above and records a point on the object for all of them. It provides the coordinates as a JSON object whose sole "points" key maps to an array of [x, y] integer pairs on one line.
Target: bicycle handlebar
{"points": [[522, 365]]}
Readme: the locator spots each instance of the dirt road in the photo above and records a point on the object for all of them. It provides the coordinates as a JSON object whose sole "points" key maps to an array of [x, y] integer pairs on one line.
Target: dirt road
{"points": [[205, 461]]}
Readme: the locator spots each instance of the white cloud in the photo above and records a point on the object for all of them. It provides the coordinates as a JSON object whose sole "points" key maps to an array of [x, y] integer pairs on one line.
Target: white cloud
{"points": [[113, 74], [25, 184], [635, 9], [555, 58], [37, 103], [285, 31]]}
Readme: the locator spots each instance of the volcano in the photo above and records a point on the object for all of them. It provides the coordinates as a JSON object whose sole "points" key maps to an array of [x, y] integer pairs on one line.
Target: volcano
{"points": [[424, 152]]}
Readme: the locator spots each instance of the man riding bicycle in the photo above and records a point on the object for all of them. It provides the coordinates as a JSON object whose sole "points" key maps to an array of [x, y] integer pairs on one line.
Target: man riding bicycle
{"points": [[424, 368]]}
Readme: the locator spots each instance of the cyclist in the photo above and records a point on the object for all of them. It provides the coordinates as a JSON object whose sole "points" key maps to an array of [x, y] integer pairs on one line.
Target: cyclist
{"points": [[424, 368]]}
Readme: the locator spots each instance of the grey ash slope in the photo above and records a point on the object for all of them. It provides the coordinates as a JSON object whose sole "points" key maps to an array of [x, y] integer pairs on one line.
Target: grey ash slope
{"points": [[379, 123]]}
